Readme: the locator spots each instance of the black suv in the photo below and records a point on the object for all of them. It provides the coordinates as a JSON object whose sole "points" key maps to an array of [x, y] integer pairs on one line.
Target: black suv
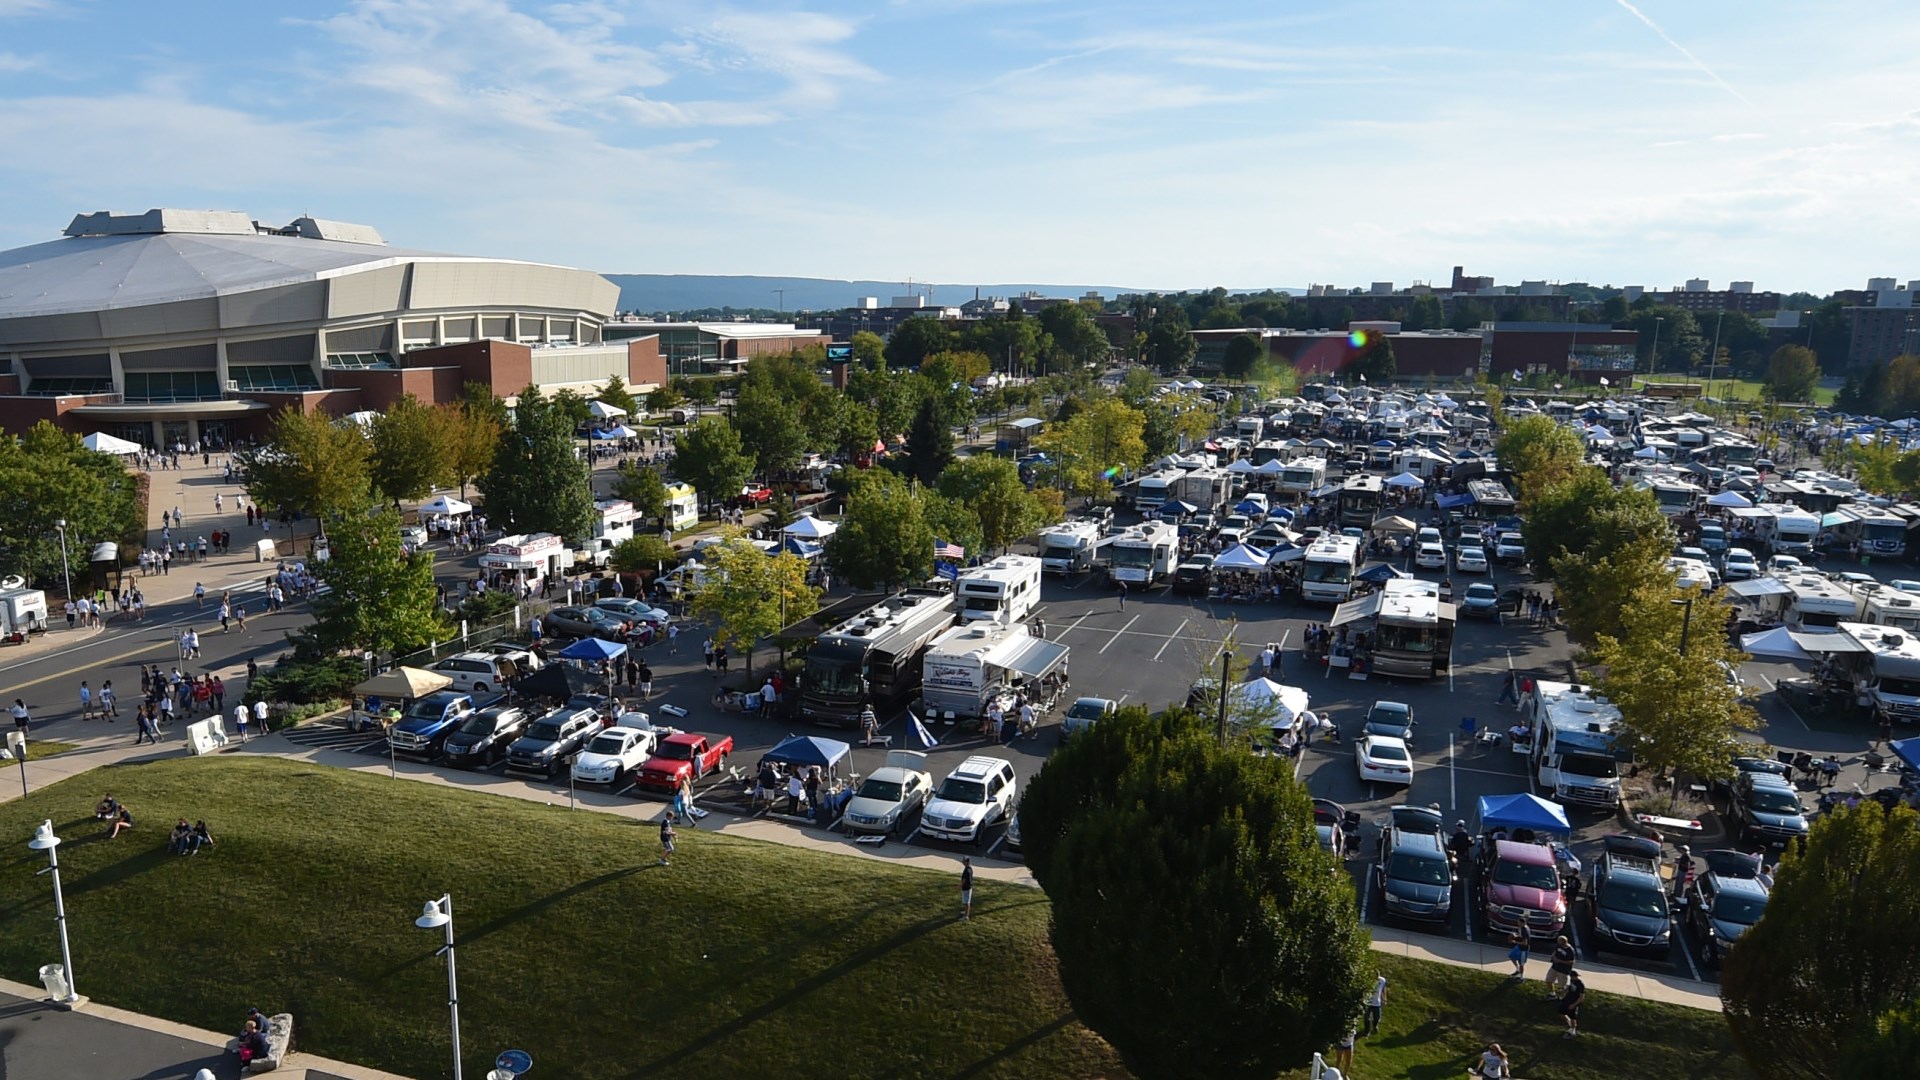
{"points": [[1416, 878], [482, 740], [1725, 902], [551, 741], [1766, 809], [1630, 913]]}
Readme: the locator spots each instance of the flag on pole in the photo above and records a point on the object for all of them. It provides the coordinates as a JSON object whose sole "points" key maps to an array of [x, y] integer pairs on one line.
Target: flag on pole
{"points": [[921, 733], [944, 550], [1516, 376], [1604, 382]]}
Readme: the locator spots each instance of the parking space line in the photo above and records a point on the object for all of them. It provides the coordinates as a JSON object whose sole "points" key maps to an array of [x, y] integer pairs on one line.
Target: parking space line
{"points": [[1117, 633], [1366, 894], [908, 839], [1453, 792], [1170, 637], [996, 844], [630, 786], [1071, 629]]}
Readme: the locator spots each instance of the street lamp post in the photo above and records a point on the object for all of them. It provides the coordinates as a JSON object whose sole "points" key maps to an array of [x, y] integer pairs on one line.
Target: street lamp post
{"points": [[44, 840], [1653, 355], [438, 914], [64, 571], [1713, 358], [1686, 622]]}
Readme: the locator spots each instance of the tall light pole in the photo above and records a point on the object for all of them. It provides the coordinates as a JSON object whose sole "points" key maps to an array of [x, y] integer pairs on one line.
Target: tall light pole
{"points": [[435, 915], [1713, 358], [1653, 355], [64, 571], [44, 840], [1686, 622]]}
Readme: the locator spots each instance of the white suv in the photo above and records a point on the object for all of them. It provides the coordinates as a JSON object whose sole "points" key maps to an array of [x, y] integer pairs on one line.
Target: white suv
{"points": [[972, 797], [478, 672]]}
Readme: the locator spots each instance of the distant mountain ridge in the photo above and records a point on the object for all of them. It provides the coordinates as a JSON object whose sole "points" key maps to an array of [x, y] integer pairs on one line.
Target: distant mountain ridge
{"points": [[681, 292]]}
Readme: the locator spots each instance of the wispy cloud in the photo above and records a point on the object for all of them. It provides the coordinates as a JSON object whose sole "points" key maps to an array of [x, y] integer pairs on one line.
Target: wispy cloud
{"points": [[1686, 52]]}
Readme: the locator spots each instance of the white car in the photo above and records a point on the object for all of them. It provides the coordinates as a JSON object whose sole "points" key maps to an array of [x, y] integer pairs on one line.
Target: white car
{"points": [[1430, 556], [614, 754], [890, 793], [1427, 535], [1470, 560], [1782, 565], [1383, 759], [1740, 565], [973, 796], [1905, 585]]}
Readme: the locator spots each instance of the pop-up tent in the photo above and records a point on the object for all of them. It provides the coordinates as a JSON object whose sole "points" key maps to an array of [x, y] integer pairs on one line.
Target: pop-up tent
{"points": [[446, 504], [593, 649], [404, 683], [1241, 557], [1907, 750], [805, 751], [1381, 573], [808, 527], [1522, 811], [558, 682], [108, 444]]}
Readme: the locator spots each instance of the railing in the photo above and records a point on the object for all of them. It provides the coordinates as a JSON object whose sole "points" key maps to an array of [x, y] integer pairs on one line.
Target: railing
{"points": [[471, 638]]}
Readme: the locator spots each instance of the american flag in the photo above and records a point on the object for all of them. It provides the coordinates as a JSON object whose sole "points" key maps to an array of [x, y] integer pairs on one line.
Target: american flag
{"points": [[944, 550]]}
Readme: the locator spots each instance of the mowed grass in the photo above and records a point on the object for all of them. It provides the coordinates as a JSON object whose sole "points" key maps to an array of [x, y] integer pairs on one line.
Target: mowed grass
{"points": [[1439, 1018], [1753, 390], [38, 749], [741, 959]]}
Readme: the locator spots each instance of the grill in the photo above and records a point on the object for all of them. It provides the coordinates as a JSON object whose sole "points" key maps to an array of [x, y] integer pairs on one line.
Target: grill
{"points": [[1632, 939], [407, 740]]}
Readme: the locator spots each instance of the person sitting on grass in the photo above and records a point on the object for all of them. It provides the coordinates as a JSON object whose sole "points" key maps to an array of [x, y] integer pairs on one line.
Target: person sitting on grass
{"points": [[177, 840], [199, 837], [121, 823], [107, 809]]}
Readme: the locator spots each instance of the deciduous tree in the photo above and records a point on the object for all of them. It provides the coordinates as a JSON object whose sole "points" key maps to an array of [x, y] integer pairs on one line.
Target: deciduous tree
{"points": [[472, 432], [771, 427], [47, 477], [1242, 352], [916, 339], [1792, 373], [377, 598], [709, 457], [646, 553], [884, 540], [616, 394], [411, 450], [869, 350], [1373, 362], [1833, 968], [749, 592], [1538, 452], [311, 464], [538, 483], [1096, 444], [929, 443], [642, 486]]}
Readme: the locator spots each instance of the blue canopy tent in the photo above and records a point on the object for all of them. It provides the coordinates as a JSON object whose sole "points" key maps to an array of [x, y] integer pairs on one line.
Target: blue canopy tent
{"points": [[1522, 811], [593, 649], [1380, 573], [1907, 750], [806, 751], [1281, 512], [1453, 502], [1177, 507], [1286, 553], [793, 545], [1248, 506], [1384, 444]]}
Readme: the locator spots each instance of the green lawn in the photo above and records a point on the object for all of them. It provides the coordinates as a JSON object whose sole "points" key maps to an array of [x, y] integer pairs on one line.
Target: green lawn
{"points": [[46, 748], [1738, 389], [741, 959]]}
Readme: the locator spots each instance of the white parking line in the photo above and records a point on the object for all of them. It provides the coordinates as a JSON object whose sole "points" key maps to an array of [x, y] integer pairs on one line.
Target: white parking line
{"points": [[997, 843], [1070, 629], [1686, 951], [630, 785], [1170, 637], [1366, 894], [1453, 794], [908, 839], [1117, 633]]}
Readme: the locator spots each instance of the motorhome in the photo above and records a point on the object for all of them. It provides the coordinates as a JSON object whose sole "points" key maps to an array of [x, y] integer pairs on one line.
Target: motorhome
{"points": [[1005, 590], [1677, 497], [1691, 573], [1304, 474], [682, 507], [1574, 756], [1069, 548], [872, 658], [1491, 499], [1144, 555], [1887, 672], [1269, 450], [1250, 428], [1787, 529], [1360, 500], [970, 665], [1412, 628], [1206, 488], [1152, 492], [1815, 601], [1329, 569], [1884, 606], [1879, 532]]}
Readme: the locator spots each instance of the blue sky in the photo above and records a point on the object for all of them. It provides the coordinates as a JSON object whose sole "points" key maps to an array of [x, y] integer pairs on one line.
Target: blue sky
{"points": [[1157, 145]]}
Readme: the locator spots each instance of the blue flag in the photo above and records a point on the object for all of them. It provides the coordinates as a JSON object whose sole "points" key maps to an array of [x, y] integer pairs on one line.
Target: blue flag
{"points": [[927, 741]]}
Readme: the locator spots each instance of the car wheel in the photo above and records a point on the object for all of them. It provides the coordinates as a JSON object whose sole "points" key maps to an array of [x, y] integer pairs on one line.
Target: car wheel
{"points": [[479, 688]]}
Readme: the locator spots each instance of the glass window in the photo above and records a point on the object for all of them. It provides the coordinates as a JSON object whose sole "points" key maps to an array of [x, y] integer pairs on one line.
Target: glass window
{"points": [[274, 377], [65, 385], [172, 386], [360, 360]]}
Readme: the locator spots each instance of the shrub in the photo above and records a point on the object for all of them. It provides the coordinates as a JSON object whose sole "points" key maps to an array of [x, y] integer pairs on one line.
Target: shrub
{"points": [[307, 682]]}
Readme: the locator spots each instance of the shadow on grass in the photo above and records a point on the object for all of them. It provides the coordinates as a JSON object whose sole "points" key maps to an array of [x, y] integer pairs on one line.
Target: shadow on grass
{"points": [[800, 990], [1044, 1031], [524, 912]]}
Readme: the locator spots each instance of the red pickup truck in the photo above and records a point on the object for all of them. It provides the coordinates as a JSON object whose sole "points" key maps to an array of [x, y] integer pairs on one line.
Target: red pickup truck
{"points": [[685, 756]]}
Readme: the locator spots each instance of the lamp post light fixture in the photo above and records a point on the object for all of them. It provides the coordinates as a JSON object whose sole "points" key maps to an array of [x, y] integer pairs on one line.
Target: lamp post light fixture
{"points": [[1686, 621], [436, 915], [65, 572], [45, 840]]}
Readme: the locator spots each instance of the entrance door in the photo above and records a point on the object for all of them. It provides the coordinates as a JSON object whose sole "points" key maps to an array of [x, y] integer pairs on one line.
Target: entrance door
{"points": [[175, 433], [137, 433], [214, 435]]}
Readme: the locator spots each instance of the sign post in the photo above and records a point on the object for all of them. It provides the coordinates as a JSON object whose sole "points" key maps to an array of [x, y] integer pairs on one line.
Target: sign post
{"points": [[17, 746]]}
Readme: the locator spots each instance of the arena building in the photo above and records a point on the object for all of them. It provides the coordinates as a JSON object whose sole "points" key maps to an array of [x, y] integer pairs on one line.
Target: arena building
{"points": [[177, 327]]}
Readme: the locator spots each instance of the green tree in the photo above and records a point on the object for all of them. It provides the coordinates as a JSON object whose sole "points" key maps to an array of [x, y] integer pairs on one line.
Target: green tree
{"points": [[412, 451], [616, 394], [1889, 1050], [1792, 373], [916, 339], [929, 443], [710, 458], [1072, 338], [1373, 362], [646, 553], [569, 404], [642, 486], [310, 464], [538, 482], [665, 399], [1837, 954], [48, 477], [1569, 516], [1095, 444], [749, 593], [1539, 452], [1242, 352], [1425, 314], [869, 350], [884, 539], [472, 433], [771, 423], [1258, 955], [1168, 343], [377, 598]]}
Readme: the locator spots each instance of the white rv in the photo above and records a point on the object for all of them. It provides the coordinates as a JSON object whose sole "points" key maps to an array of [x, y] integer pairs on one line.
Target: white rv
{"points": [[1888, 672], [1304, 475], [1331, 564], [1787, 529], [1573, 752], [1250, 428], [1069, 548], [1150, 493], [1144, 555], [1005, 590], [968, 666], [1817, 602]]}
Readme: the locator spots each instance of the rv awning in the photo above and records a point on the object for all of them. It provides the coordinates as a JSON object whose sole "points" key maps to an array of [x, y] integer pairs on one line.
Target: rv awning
{"points": [[1750, 512], [1035, 657], [1354, 610], [1760, 586], [1450, 502], [1826, 643]]}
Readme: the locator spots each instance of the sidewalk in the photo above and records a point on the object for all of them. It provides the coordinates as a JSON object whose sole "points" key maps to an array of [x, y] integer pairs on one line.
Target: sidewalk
{"points": [[1668, 989]]}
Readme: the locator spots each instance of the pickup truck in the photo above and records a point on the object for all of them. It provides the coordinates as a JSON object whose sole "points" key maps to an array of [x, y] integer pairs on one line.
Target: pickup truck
{"points": [[422, 732], [686, 756]]}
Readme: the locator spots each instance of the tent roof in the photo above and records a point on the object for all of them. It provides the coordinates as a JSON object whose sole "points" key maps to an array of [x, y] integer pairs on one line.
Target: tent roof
{"points": [[808, 527], [403, 682], [446, 504], [1241, 557], [593, 649], [560, 682], [108, 444], [1522, 811], [809, 750]]}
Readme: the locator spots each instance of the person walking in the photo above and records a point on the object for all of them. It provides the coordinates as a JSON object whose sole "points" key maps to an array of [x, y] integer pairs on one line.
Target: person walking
{"points": [[706, 655], [666, 839], [646, 681], [86, 701], [1509, 689], [673, 636], [240, 616], [240, 720], [199, 594], [149, 728], [1493, 1064], [260, 714], [109, 701], [1560, 967], [22, 718], [1343, 1050], [1570, 1003], [1518, 954], [1376, 1001], [966, 888], [1123, 595]]}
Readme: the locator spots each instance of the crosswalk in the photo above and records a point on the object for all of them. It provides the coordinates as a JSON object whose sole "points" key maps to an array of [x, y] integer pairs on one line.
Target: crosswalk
{"points": [[333, 737]]}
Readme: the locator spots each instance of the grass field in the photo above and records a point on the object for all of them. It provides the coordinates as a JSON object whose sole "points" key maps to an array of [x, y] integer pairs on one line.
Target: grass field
{"points": [[741, 959], [1738, 389], [38, 749]]}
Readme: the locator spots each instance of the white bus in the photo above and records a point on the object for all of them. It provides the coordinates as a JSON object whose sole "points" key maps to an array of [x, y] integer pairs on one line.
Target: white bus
{"points": [[1332, 563], [1005, 590]]}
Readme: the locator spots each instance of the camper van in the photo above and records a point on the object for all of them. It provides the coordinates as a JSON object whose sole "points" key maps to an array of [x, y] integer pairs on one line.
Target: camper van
{"points": [[1412, 628], [1005, 590], [1304, 474], [1143, 556], [1328, 572], [1069, 548], [1573, 752], [22, 612], [971, 664], [1887, 673]]}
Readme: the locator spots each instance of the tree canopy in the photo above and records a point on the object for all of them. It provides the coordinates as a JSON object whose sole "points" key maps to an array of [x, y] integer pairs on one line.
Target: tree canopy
{"points": [[538, 482], [916, 339], [642, 486], [1828, 977], [929, 442], [1792, 373], [709, 457], [1373, 362], [990, 489], [48, 476], [616, 394], [1256, 952], [377, 598], [1095, 444], [1538, 452], [311, 464], [884, 539], [412, 450], [1242, 352], [748, 592]]}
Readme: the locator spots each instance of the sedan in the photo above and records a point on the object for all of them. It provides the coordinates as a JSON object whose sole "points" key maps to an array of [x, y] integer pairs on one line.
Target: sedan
{"points": [[1480, 600], [1470, 560], [1390, 718], [612, 755], [1430, 556], [583, 622], [889, 794], [634, 610], [1383, 759]]}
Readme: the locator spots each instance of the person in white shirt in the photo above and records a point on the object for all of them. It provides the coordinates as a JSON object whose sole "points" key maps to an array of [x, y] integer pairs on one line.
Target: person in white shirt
{"points": [[1028, 721], [260, 713], [240, 720]]}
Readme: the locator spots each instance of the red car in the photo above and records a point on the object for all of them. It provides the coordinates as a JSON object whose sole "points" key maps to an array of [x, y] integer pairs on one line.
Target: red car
{"points": [[1520, 889], [685, 756], [755, 494]]}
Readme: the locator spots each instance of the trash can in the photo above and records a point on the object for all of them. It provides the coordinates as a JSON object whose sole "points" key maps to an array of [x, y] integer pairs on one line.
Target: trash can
{"points": [[54, 978]]}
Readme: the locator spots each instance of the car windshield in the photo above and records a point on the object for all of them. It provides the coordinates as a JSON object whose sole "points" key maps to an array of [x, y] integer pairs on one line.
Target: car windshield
{"points": [[954, 789], [833, 678], [428, 709], [481, 723], [1600, 768], [1775, 801], [607, 744], [1633, 900], [1900, 687], [1386, 752], [544, 731], [1087, 710], [1333, 573], [880, 790], [1480, 592], [677, 751], [1745, 910], [1420, 871], [1526, 875]]}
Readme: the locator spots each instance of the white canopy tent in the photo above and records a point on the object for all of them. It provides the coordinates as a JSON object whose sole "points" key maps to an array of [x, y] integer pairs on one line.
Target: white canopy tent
{"points": [[809, 527], [108, 444], [1242, 466], [446, 504], [1241, 557], [1730, 499], [1404, 480], [1285, 703], [603, 410]]}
